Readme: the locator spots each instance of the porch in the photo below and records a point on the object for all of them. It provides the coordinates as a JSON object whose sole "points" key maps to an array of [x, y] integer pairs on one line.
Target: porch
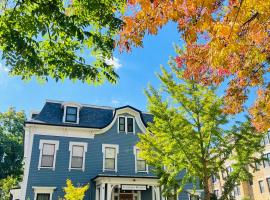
{"points": [[126, 188]]}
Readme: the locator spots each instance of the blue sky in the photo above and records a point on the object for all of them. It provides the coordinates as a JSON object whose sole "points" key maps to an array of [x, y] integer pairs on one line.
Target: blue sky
{"points": [[137, 70]]}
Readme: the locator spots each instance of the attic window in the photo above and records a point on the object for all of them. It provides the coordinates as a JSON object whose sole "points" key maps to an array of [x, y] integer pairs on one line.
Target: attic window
{"points": [[71, 114]]}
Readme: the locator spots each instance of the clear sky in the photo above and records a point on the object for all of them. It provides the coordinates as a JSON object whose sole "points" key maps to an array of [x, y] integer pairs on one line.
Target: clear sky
{"points": [[136, 70]]}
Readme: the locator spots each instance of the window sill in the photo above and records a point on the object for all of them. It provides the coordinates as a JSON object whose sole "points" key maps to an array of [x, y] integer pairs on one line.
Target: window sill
{"points": [[76, 169], [109, 170], [40, 168], [142, 172]]}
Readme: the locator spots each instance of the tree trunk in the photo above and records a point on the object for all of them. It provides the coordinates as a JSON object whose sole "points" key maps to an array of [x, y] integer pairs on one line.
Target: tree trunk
{"points": [[207, 194]]}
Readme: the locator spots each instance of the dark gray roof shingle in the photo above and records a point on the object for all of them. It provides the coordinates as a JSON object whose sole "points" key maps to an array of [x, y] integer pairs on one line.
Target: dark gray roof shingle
{"points": [[90, 116]]}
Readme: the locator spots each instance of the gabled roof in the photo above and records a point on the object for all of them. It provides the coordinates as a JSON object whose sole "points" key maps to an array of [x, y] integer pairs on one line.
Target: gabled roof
{"points": [[90, 116]]}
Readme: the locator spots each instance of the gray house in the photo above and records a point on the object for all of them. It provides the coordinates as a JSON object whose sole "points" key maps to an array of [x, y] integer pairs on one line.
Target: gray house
{"points": [[87, 144]]}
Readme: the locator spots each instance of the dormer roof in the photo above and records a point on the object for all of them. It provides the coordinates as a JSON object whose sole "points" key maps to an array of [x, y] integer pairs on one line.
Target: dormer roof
{"points": [[90, 116]]}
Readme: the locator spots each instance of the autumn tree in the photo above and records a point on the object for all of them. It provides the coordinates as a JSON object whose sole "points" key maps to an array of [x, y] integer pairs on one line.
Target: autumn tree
{"points": [[74, 193], [60, 39], [223, 40], [187, 140]]}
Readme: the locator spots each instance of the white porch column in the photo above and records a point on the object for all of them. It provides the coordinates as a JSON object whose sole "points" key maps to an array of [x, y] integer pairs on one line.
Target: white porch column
{"points": [[109, 191], [102, 191], [162, 197], [153, 192], [157, 193], [97, 193]]}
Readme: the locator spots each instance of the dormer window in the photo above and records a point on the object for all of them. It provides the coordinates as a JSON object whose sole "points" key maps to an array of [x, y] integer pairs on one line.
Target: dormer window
{"points": [[126, 124], [71, 114]]}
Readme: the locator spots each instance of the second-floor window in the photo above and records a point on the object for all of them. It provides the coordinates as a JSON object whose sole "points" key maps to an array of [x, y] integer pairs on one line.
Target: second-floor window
{"points": [[47, 156], [140, 164], [71, 114], [122, 124], [110, 153], [77, 155], [268, 183]]}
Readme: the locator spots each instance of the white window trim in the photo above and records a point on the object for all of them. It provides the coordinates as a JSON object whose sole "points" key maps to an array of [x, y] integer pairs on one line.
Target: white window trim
{"points": [[85, 146], [135, 155], [65, 113], [116, 146], [43, 190], [41, 142], [126, 124]]}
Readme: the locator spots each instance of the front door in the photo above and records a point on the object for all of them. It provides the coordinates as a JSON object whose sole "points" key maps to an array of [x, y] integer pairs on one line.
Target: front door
{"points": [[126, 196]]}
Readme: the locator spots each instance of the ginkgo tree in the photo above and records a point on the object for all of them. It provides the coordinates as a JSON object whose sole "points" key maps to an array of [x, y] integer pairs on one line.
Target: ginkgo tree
{"points": [[60, 38], [188, 140], [224, 40]]}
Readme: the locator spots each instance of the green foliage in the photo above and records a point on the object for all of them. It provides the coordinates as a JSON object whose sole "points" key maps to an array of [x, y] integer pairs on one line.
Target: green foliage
{"points": [[74, 193], [11, 143], [6, 185], [188, 134], [48, 38]]}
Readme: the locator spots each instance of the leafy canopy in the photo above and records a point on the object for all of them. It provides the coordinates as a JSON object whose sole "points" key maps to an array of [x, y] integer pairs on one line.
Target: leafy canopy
{"points": [[6, 185], [48, 38], [223, 40], [74, 193], [11, 143], [187, 141]]}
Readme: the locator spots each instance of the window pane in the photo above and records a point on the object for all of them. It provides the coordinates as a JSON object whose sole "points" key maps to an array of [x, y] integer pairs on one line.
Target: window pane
{"points": [[43, 196], [110, 152], [47, 161], [77, 151], [72, 110], [130, 124], [71, 118], [77, 162], [261, 186], [122, 124], [141, 165], [268, 183], [109, 163], [48, 149]]}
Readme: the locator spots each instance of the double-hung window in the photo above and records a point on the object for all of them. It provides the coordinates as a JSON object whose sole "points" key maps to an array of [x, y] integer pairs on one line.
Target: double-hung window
{"points": [[140, 164], [110, 153], [130, 124], [71, 114], [77, 155], [43, 193], [266, 161], [48, 149]]}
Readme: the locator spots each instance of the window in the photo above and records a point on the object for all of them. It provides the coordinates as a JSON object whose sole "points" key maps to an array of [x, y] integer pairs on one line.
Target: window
{"points": [[48, 149], [110, 153], [237, 190], [126, 124], [140, 164], [194, 197], [43, 196], [122, 124], [266, 161], [130, 125], [257, 165], [71, 114], [261, 186], [268, 183], [43, 193], [77, 155]]}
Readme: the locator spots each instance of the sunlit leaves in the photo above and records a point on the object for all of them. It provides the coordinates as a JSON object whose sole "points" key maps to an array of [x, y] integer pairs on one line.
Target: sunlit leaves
{"points": [[224, 40], [49, 38]]}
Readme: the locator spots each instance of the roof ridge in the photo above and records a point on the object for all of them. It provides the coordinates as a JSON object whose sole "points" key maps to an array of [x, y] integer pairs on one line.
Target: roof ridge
{"points": [[83, 104]]}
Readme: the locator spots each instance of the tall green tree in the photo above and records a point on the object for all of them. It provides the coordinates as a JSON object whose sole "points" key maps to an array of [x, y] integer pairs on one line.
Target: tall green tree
{"points": [[11, 143], [188, 134], [49, 38]]}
